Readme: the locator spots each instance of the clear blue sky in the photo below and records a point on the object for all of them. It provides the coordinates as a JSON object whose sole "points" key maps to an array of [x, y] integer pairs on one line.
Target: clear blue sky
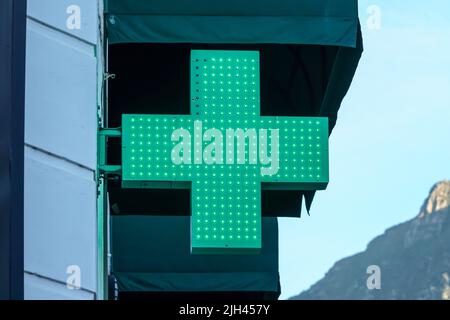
{"points": [[390, 145]]}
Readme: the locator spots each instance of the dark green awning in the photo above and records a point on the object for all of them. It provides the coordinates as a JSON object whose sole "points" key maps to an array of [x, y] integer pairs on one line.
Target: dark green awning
{"points": [[320, 22], [309, 49], [151, 254]]}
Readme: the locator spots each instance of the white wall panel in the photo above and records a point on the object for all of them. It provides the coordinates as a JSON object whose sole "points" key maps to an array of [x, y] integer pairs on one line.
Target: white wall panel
{"points": [[60, 218], [62, 75], [37, 288], [54, 13], [61, 95]]}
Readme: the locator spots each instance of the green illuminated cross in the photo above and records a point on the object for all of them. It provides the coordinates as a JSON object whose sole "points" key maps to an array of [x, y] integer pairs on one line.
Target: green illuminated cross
{"points": [[225, 152]]}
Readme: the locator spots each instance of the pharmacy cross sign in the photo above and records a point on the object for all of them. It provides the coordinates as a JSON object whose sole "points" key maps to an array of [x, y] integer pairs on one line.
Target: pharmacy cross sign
{"points": [[225, 152]]}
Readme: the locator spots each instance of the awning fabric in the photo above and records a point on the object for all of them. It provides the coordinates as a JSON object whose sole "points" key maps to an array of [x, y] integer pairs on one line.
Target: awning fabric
{"points": [[151, 254], [322, 36], [310, 50], [319, 22]]}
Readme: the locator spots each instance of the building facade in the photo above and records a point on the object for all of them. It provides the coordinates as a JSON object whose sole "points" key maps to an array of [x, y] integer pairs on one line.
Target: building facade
{"points": [[63, 74], [80, 228]]}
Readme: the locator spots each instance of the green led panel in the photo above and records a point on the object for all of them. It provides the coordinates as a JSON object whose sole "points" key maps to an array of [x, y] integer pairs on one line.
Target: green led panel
{"points": [[225, 152]]}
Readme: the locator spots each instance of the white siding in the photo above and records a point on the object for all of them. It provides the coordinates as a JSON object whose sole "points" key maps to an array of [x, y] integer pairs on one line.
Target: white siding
{"points": [[38, 288], [61, 95], [53, 13], [60, 149]]}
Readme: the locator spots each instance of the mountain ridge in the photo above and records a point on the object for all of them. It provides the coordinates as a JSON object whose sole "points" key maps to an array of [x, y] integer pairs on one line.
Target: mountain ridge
{"points": [[413, 258]]}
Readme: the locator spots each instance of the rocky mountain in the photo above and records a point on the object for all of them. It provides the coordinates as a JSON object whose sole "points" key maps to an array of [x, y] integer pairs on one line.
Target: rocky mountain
{"points": [[413, 259]]}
